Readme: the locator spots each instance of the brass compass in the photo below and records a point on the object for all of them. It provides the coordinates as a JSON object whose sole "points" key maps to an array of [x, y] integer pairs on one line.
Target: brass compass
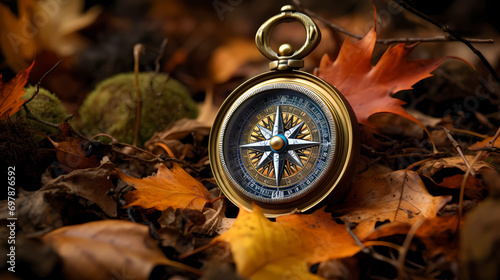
{"points": [[285, 140]]}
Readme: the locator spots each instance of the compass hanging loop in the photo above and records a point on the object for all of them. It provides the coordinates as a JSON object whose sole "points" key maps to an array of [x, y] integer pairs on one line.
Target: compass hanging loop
{"points": [[287, 58]]}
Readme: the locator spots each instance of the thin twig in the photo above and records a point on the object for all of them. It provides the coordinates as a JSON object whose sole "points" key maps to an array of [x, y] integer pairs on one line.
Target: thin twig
{"points": [[406, 245], [464, 131], [138, 50], [459, 150], [161, 52], [39, 83], [456, 36], [368, 250], [479, 155], [35, 118], [337, 28]]}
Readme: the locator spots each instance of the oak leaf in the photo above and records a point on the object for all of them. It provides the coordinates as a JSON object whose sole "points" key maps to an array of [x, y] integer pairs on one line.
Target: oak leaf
{"points": [[398, 196], [176, 189], [286, 248], [369, 89], [108, 249], [12, 91]]}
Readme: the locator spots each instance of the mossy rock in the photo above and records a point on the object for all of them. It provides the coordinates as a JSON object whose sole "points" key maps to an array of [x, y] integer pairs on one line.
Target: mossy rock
{"points": [[46, 107], [111, 107]]}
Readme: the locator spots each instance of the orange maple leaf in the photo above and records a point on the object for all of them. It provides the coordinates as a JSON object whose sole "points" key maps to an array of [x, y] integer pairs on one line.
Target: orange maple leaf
{"points": [[12, 91], [368, 88], [174, 188], [286, 248]]}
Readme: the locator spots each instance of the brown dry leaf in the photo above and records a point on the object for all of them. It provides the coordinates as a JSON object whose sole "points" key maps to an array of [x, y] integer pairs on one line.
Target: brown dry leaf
{"points": [[12, 91], [108, 249], [177, 139], [286, 248], [213, 217], [484, 143], [437, 233], [368, 88], [82, 195], [72, 194], [71, 154], [43, 25], [449, 173], [398, 196], [176, 189]]}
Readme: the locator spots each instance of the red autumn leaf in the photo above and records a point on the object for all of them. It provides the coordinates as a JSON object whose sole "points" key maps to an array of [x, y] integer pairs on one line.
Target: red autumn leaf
{"points": [[369, 89], [12, 91]]}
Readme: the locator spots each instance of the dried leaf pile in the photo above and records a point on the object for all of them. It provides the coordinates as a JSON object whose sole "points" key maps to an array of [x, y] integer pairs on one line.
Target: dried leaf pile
{"points": [[421, 205]]}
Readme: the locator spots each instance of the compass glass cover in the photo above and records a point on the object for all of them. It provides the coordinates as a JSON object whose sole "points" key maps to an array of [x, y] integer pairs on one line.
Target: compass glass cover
{"points": [[277, 142]]}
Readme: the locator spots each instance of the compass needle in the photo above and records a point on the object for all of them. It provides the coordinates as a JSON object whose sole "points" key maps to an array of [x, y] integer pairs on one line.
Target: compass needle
{"points": [[278, 162], [278, 122], [292, 157], [295, 144], [261, 146], [265, 159], [265, 132]]}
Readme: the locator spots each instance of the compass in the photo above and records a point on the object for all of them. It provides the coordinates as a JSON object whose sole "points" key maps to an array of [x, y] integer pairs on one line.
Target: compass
{"points": [[284, 140]]}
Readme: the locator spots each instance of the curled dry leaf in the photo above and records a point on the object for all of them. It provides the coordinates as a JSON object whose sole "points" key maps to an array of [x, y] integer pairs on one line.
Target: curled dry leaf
{"points": [[369, 89], [398, 196], [12, 91], [67, 198], [108, 249], [449, 173], [213, 217], [71, 154], [176, 189], [286, 248], [186, 138]]}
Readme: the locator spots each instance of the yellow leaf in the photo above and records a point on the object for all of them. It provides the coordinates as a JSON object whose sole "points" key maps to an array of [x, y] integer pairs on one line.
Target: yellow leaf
{"points": [[286, 248], [108, 249], [176, 189], [43, 25]]}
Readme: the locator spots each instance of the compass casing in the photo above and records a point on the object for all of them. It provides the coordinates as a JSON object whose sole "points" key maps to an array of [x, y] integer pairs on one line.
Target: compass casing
{"points": [[331, 183]]}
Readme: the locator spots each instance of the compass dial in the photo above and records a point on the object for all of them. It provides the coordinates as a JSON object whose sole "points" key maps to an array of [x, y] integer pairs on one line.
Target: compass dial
{"points": [[277, 142], [285, 141]]}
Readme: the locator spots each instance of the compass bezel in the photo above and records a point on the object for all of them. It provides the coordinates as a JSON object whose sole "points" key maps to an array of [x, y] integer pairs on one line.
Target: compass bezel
{"points": [[333, 182]]}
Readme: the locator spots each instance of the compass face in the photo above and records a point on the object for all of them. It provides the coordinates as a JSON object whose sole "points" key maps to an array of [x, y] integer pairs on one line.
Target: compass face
{"points": [[277, 142]]}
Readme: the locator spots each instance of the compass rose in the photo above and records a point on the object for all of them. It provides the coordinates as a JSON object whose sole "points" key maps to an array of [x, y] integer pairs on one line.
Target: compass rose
{"points": [[279, 145]]}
